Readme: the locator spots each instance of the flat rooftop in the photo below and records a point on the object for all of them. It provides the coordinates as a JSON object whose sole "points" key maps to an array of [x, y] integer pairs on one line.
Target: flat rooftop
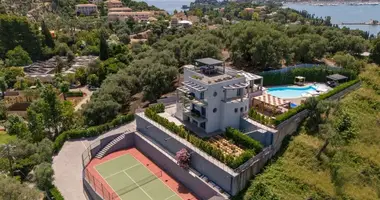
{"points": [[217, 76]]}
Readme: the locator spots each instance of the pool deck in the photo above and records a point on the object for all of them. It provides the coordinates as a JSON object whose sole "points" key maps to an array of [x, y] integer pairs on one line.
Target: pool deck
{"points": [[299, 100]]}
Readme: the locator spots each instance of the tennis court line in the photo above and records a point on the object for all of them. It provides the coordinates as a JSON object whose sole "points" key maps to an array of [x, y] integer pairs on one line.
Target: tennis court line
{"points": [[157, 177], [112, 159], [138, 185], [109, 176], [171, 196]]}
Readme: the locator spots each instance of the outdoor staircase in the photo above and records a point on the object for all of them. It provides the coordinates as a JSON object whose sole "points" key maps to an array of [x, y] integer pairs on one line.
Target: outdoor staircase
{"points": [[102, 152]]}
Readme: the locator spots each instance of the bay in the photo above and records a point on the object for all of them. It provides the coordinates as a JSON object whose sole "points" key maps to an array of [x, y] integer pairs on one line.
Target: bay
{"points": [[344, 13]]}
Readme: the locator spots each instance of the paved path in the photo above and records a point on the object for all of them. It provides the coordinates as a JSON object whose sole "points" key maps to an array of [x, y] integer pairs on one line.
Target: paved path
{"points": [[67, 164], [86, 99]]}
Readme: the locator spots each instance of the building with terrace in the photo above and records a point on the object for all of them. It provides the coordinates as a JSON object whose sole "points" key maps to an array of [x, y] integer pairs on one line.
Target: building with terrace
{"points": [[213, 98], [122, 9], [86, 9], [114, 4], [138, 16]]}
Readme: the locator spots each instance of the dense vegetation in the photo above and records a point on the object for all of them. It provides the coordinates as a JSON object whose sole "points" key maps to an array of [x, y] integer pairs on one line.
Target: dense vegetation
{"points": [[335, 155]]}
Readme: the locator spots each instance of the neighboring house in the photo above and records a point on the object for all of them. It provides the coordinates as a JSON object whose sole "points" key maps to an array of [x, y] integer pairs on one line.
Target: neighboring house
{"points": [[138, 16], [95, 1], [122, 9], [86, 9], [249, 10], [212, 98], [174, 22], [114, 4]]}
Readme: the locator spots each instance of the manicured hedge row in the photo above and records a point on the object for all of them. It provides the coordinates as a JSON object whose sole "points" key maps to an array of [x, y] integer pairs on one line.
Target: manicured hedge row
{"points": [[74, 94], [204, 145], [253, 114], [246, 141], [55, 194], [338, 89], [281, 118], [158, 108], [91, 131], [312, 74]]}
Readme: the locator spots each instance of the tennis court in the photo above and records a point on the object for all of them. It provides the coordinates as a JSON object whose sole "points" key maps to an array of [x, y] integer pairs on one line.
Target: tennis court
{"points": [[131, 179]]}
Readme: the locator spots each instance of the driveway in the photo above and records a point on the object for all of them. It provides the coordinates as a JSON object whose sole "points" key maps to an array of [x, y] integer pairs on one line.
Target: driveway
{"points": [[67, 164]]}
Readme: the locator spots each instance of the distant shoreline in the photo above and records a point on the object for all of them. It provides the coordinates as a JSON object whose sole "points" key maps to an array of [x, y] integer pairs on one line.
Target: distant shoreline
{"points": [[335, 3]]}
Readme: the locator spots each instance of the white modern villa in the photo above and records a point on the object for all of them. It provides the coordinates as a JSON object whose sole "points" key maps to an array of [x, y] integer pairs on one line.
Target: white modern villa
{"points": [[214, 97]]}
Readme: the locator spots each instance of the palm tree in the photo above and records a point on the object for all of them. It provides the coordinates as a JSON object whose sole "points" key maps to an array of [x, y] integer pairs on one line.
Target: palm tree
{"points": [[65, 87], [3, 85]]}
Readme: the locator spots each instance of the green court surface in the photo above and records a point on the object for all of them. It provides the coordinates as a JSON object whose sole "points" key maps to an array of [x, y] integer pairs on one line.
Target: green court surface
{"points": [[130, 179]]}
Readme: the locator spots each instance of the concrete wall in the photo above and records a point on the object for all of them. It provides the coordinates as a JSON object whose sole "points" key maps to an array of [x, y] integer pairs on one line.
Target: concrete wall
{"points": [[127, 142], [195, 184], [202, 163], [100, 144], [90, 192]]}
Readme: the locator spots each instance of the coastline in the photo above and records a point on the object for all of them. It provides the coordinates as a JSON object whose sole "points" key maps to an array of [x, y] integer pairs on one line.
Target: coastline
{"points": [[333, 3]]}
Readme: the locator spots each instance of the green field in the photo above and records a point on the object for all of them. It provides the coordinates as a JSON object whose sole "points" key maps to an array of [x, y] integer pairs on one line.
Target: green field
{"points": [[345, 170], [4, 137], [130, 179]]}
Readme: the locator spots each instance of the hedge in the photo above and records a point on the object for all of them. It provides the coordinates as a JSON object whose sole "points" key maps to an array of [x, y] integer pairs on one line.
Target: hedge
{"points": [[244, 140], [55, 194], [204, 145], [74, 94], [281, 118], [312, 74], [253, 114], [91, 131]]}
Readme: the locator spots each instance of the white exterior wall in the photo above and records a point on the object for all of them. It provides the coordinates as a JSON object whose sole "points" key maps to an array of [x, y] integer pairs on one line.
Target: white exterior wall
{"points": [[225, 115]]}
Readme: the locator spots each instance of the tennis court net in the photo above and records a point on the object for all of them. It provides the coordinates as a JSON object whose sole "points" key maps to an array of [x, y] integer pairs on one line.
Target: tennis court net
{"points": [[137, 184]]}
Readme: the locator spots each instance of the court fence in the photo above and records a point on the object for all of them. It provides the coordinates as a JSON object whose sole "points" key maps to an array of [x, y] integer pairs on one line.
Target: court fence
{"points": [[87, 156], [99, 187]]}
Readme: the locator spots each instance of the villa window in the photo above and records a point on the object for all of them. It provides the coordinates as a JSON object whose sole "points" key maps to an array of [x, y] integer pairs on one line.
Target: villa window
{"points": [[236, 110], [241, 109], [246, 108], [202, 96], [215, 94], [238, 92], [214, 110]]}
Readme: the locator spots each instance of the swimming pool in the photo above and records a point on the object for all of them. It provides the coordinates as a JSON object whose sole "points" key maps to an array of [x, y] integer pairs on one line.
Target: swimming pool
{"points": [[290, 92]]}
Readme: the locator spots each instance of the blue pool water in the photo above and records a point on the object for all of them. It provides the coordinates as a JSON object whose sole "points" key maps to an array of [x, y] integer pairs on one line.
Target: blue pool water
{"points": [[289, 92]]}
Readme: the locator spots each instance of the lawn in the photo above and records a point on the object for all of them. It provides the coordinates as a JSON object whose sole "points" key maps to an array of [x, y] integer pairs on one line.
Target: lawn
{"points": [[349, 171], [4, 137]]}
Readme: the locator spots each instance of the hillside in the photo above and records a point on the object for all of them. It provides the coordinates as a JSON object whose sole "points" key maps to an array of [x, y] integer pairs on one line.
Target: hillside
{"points": [[346, 170]]}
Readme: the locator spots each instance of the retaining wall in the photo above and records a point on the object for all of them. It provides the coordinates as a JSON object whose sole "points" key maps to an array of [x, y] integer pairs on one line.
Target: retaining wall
{"points": [[215, 171], [167, 163]]}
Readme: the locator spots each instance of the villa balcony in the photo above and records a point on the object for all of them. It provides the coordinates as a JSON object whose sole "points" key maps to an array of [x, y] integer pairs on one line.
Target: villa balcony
{"points": [[235, 99], [194, 115]]}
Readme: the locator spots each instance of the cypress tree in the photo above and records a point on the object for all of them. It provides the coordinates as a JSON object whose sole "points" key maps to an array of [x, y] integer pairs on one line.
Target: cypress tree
{"points": [[48, 38], [103, 55]]}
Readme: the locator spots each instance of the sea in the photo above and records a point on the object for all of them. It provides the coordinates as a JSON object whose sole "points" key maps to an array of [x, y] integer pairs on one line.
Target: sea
{"points": [[341, 13]]}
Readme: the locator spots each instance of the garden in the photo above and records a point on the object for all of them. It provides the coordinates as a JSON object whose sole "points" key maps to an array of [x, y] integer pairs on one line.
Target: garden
{"points": [[240, 147]]}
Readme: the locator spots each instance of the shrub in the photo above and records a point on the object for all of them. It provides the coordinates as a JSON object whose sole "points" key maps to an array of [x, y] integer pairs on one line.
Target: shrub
{"points": [[312, 74], [158, 108], [55, 194], [74, 94], [244, 140], [291, 112], [91, 131]]}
